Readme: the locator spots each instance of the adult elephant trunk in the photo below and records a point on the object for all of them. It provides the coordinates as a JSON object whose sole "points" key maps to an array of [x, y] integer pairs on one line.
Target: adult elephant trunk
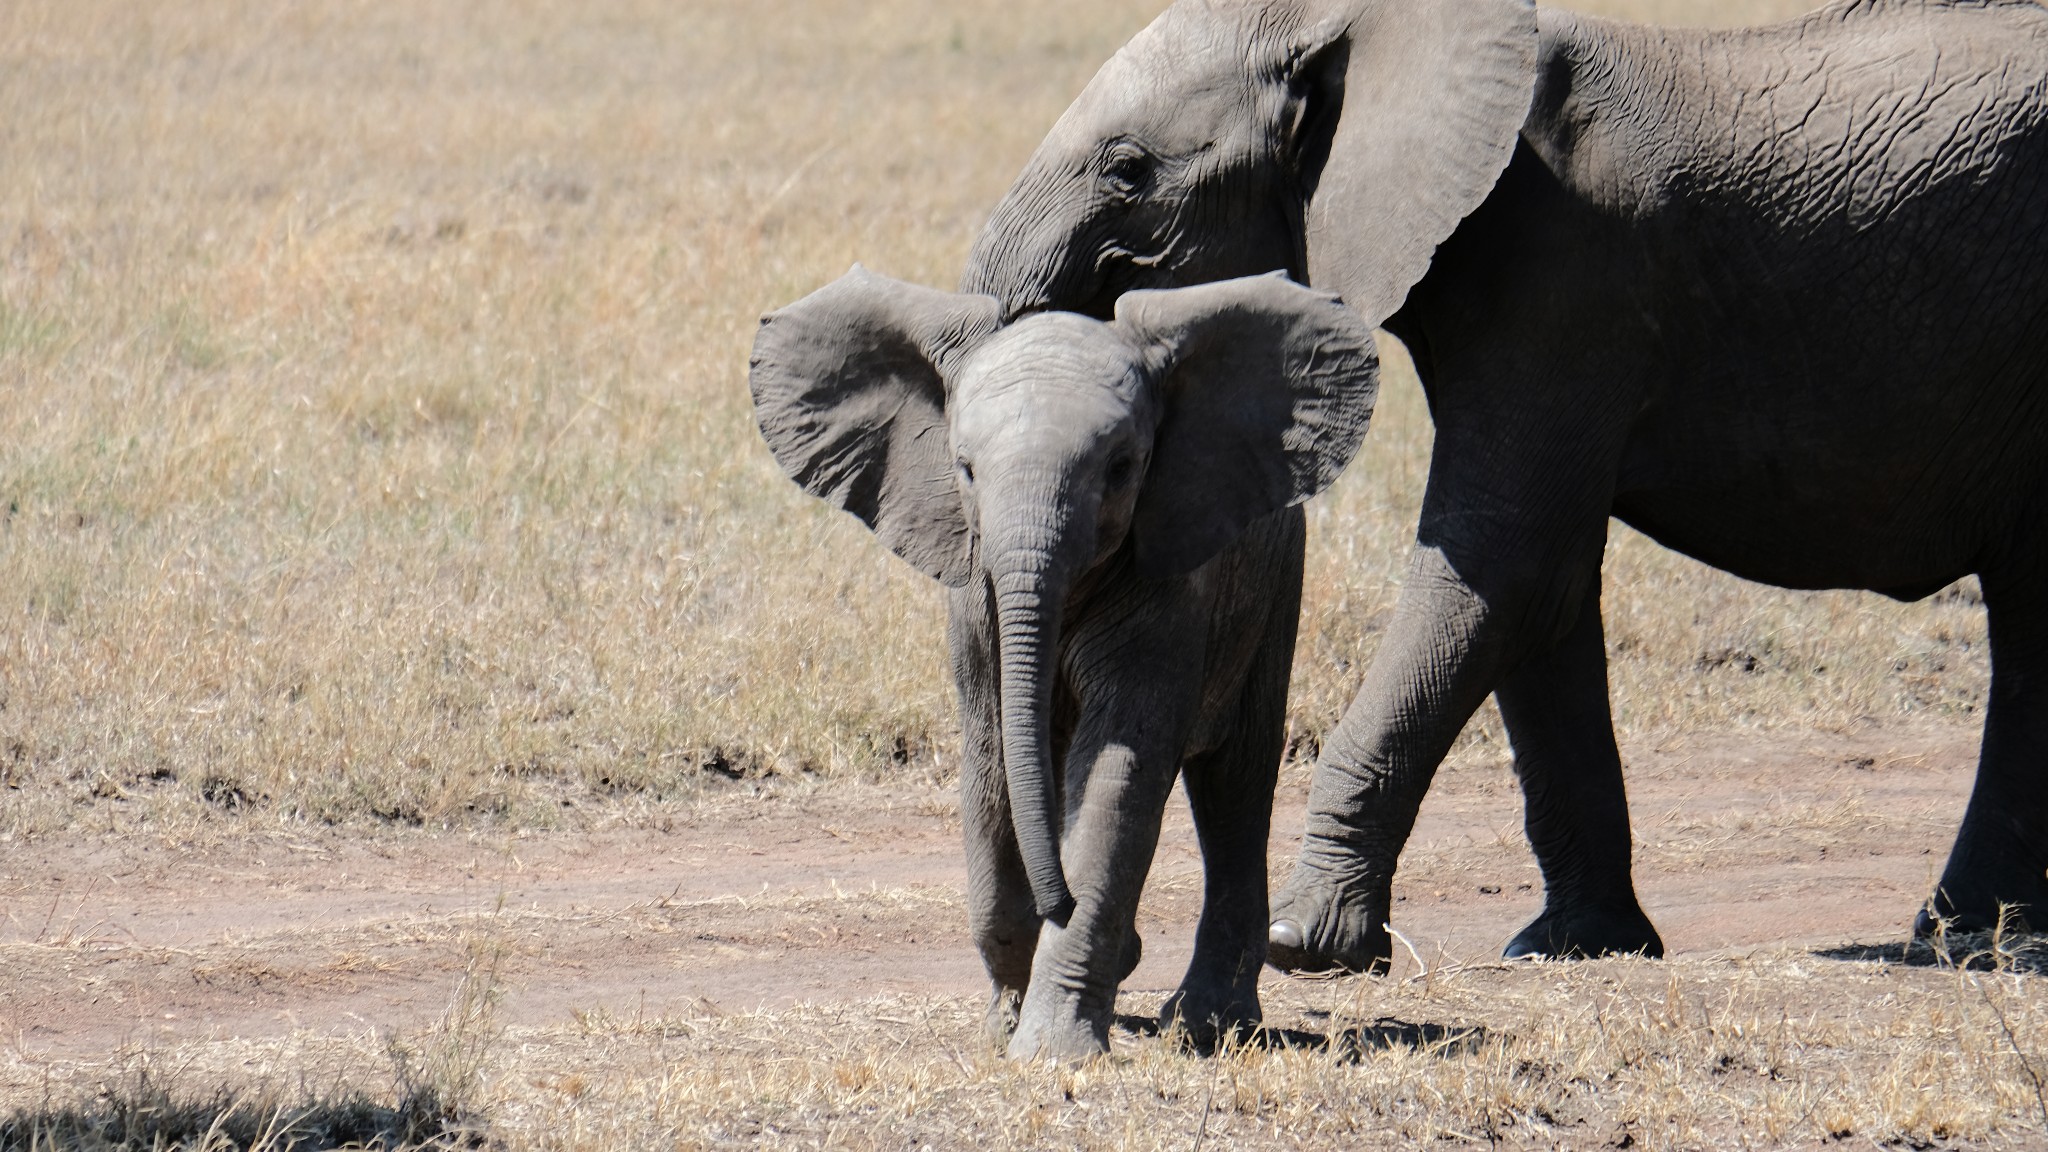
{"points": [[1030, 584], [1039, 251]]}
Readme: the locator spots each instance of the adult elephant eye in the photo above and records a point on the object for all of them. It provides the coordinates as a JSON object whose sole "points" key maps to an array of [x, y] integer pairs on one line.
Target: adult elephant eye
{"points": [[966, 471], [1126, 170], [1120, 470]]}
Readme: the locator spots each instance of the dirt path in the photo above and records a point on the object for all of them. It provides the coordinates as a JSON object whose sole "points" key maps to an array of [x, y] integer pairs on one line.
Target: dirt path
{"points": [[851, 891]]}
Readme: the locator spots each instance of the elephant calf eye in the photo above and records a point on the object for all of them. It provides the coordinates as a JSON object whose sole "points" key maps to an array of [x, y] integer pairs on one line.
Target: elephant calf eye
{"points": [[966, 471]]}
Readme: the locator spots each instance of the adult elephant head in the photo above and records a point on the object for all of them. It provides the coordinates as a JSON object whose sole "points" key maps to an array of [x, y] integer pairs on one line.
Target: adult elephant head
{"points": [[1342, 140]]}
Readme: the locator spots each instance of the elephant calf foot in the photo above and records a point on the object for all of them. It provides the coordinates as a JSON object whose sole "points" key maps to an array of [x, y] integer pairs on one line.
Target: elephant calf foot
{"points": [[1054, 1020], [1615, 928], [1057, 1035], [1317, 927]]}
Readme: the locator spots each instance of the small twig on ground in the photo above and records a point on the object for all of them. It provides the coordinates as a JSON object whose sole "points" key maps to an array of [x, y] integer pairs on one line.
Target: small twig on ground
{"points": [[1208, 1099], [45, 929], [955, 1057], [1422, 969]]}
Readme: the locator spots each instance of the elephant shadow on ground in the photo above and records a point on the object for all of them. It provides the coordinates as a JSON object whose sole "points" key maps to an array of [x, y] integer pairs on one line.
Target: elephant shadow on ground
{"points": [[1350, 1045], [142, 1114], [1976, 952]]}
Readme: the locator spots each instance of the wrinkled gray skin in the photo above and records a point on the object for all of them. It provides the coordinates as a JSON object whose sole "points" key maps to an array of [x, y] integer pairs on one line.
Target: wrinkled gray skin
{"points": [[1776, 297], [1113, 508]]}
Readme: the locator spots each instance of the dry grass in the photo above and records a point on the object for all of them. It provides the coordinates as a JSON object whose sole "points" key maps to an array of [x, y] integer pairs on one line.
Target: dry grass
{"points": [[373, 430], [374, 442], [1735, 1052]]}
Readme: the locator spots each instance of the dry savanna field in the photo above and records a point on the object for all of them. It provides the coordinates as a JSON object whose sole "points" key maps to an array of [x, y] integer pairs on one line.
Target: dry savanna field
{"points": [[428, 717]]}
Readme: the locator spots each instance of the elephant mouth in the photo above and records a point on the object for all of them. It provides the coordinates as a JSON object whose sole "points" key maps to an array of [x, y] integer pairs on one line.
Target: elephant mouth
{"points": [[1090, 288], [1101, 303], [1095, 297], [1117, 270]]}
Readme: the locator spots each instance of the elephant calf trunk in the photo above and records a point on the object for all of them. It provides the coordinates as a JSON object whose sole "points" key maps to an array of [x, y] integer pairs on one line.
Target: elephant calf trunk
{"points": [[1029, 622]]}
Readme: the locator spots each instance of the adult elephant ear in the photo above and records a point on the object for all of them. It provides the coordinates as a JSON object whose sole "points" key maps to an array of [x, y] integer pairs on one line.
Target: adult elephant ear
{"points": [[849, 388], [1267, 388], [1428, 98]]}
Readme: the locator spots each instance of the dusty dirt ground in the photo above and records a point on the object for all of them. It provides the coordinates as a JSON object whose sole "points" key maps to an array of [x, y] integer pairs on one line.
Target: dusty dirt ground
{"points": [[766, 898]]}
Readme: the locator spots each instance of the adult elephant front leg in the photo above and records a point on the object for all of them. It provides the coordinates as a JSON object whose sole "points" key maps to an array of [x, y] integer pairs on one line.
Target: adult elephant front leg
{"points": [[1509, 544], [1438, 661], [1559, 724]]}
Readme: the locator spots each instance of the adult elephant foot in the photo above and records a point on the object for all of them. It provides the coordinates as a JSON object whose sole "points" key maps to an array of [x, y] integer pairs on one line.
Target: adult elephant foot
{"points": [[1205, 1015], [1319, 925], [2001, 849], [1974, 893], [1585, 931]]}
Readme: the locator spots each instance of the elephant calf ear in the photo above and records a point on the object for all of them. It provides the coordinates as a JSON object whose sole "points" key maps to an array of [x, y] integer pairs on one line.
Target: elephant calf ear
{"points": [[849, 389], [1268, 390]]}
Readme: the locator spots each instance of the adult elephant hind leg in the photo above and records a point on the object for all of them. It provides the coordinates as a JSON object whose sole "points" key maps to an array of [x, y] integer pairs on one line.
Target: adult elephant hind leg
{"points": [[2000, 858], [1559, 724]]}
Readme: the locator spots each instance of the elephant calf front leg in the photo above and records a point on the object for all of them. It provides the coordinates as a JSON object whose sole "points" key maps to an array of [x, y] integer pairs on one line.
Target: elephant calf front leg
{"points": [[1111, 834], [1230, 793], [1000, 912]]}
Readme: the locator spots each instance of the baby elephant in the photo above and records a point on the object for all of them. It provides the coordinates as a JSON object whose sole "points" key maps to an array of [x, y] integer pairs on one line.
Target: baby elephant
{"points": [[1112, 507]]}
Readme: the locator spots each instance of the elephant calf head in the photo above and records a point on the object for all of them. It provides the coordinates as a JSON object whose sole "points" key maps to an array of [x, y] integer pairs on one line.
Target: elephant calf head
{"points": [[1030, 454]]}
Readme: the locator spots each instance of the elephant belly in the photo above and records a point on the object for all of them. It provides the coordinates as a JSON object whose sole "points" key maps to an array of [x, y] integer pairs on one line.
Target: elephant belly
{"points": [[1871, 412], [1901, 497]]}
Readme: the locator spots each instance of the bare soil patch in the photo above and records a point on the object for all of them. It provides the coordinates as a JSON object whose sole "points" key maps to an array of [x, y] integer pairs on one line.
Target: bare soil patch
{"points": [[837, 893]]}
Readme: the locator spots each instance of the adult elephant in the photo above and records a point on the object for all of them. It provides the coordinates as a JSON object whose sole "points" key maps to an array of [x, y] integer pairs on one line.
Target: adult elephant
{"points": [[1776, 297]]}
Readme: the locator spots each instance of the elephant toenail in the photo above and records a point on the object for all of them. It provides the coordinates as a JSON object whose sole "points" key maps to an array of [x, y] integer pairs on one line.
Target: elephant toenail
{"points": [[1286, 934]]}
